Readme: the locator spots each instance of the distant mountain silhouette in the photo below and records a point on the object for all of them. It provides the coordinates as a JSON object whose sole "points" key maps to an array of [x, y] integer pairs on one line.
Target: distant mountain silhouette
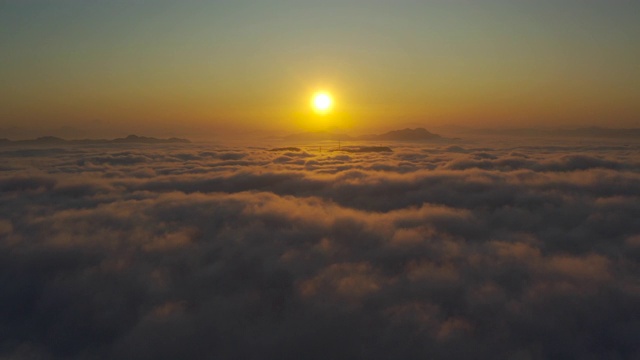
{"points": [[364, 149], [131, 139], [134, 139], [317, 136], [418, 134], [290, 149], [595, 131], [587, 132], [65, 132], [48, 140]]}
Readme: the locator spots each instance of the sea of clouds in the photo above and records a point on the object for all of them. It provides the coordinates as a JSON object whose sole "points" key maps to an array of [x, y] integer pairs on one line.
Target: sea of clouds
{"points": [[200, 251]]}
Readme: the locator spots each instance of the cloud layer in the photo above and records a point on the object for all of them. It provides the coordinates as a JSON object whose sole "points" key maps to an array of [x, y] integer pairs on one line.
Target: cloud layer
{"points": [[199, 252]]}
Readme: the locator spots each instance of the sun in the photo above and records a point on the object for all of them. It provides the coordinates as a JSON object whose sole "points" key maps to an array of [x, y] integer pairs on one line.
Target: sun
{"points": [[321, 102]]}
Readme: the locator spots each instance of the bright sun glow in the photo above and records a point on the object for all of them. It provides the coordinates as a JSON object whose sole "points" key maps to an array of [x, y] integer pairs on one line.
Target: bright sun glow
{"points": [[322, 102]]}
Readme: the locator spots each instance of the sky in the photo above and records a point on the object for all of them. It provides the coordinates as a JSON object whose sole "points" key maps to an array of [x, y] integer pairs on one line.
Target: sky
{"points": [[251, 66]]}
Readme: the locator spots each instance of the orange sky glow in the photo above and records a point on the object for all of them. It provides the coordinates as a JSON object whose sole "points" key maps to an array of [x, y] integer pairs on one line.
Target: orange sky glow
{"points": [[185, 67]]}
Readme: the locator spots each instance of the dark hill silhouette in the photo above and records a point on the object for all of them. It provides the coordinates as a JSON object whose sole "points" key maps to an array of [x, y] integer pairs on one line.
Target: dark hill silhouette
{"points": [[131, 139], [595, 131], [585, 132], [49, 140], [294, 149], [134, 139], [418, 134], [364, 149], [317, 136]]}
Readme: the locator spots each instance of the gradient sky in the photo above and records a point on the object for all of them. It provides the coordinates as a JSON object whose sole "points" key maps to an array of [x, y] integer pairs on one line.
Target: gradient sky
{"points": [[252, 65]]}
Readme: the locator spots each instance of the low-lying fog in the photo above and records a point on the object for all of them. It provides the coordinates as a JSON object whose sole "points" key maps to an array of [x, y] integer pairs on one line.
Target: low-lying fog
{"points": [[483, 250]]}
